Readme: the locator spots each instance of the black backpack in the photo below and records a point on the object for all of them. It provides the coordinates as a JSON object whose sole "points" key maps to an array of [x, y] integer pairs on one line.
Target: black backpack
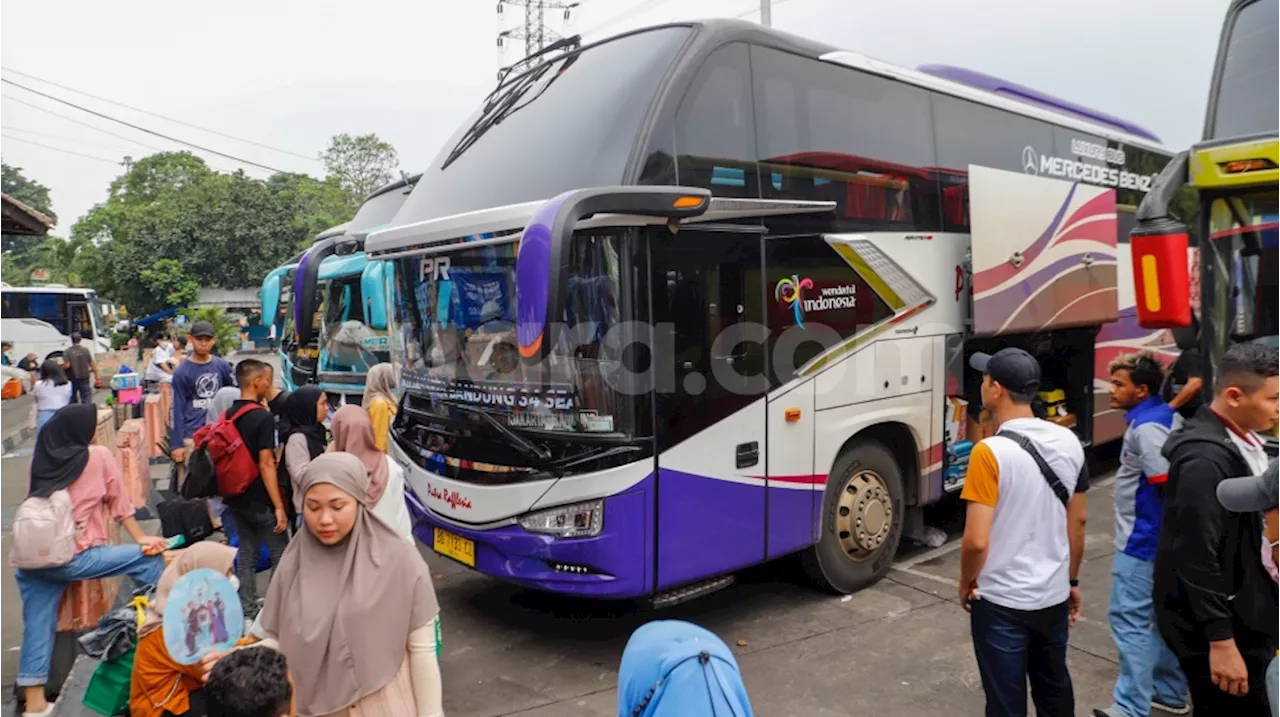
{"points": [[188, 518], [201, 480]]}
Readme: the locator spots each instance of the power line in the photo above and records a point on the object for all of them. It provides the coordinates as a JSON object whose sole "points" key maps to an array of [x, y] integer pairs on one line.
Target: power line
{"points": [[64, 138], [83, 124], [59, 149], [144, 129], [163, 117]]}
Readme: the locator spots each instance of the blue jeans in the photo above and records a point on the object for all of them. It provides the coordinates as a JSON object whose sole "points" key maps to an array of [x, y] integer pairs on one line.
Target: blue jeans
{"points": [[42, 417], [1014, 646], [1147, 667], [42, 590]]}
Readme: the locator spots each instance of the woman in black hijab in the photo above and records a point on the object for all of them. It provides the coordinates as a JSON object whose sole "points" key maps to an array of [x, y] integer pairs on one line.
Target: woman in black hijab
{"points": [[303, 435], [65, 460]]}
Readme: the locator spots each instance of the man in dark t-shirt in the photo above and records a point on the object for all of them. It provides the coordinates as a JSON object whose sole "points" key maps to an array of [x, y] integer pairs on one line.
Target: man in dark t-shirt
{"points": [[258, 512], [1185, 379], [80, 369]]}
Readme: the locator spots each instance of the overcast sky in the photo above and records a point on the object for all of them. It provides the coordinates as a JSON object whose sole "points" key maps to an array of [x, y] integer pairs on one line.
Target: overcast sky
{"points": [[292, 73]]}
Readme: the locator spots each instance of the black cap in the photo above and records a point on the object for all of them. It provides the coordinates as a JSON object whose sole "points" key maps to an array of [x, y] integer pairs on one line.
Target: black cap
{"points": [[1251, 493], [1015, 369], [203, 329]]}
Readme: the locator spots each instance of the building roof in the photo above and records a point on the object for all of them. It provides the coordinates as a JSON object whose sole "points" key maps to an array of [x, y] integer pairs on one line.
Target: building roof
{"points": [[229, 299], [19, 218]]}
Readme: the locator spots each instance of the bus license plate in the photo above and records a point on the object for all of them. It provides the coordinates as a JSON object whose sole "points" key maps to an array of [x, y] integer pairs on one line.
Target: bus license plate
{"points": [[456, 547]]}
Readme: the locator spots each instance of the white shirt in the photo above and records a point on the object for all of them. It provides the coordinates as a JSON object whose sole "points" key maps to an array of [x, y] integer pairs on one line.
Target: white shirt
{"points": [[391, 507], [161, 354], [1255, 454], [51, 397], [1028, 561]]}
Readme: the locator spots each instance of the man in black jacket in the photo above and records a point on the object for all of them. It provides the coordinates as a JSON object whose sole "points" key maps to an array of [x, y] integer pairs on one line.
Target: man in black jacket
{"points": [[1215, 602]]}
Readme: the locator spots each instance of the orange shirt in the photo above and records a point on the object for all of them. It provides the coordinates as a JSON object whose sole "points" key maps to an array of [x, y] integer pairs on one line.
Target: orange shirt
{"points": [[159, 683]]}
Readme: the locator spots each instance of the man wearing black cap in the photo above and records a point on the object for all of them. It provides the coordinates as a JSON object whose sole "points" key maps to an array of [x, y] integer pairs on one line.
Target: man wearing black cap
{"points": [[1023, 542], [194, 383], [80, 369], [1215, 602]]}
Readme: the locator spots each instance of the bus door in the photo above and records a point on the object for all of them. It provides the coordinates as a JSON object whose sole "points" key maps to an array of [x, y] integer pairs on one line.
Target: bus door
{"points": [[707, 293], [79, 319]]}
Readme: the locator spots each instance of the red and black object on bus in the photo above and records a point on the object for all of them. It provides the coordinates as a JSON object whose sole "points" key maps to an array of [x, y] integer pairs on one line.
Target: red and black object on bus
{"points": [[1158, 245]]}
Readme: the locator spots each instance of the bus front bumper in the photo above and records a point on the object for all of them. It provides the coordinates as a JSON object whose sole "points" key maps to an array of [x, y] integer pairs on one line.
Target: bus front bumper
{"points": [[616, 564]]}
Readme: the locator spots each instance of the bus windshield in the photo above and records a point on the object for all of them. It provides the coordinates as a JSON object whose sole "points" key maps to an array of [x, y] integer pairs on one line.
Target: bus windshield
{"points": [[565, 124], [1243, 232], [457, 318], [348, 343], [1245, 98]]}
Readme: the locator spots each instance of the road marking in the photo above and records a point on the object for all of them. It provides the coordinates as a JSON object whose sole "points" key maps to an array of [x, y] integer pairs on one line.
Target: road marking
{"points": [[928, 555], [927, 576]]}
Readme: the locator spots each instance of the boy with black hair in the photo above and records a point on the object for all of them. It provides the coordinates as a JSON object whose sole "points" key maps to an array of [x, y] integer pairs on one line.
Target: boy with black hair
{"points": [[195, 381], [1149, 672], [1215, 601], [250, 682], [259, 511]]}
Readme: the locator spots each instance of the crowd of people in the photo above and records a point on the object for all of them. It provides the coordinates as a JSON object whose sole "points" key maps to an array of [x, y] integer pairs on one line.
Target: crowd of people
{"points": [[312, 647], [1193, 580]]}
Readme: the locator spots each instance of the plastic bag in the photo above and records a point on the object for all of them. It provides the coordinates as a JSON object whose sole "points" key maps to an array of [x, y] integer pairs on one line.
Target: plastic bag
{"points": [[117, 631]]}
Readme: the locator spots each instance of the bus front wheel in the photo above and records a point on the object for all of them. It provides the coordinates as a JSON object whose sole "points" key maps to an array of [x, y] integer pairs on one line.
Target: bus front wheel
{"points": [[862, 515]]}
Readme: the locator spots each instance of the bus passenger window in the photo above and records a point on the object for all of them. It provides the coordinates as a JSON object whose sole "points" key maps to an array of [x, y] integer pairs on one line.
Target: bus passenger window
{"points": [[715, 136]]}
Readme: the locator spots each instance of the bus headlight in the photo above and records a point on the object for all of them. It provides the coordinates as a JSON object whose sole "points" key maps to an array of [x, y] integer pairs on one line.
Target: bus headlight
{"points": [[581, 520]]}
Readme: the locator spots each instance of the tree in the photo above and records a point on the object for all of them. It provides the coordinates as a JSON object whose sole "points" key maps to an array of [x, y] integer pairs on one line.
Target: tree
{"points": [[31, 193], [222, 230], [167, 284], [359, 164]]}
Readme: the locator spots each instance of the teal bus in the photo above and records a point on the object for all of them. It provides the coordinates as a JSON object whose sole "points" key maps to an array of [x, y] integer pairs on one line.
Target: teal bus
{"points": [[335, 330]]}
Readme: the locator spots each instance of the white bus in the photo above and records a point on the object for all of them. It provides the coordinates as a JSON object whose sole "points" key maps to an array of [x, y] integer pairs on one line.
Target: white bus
{"points": [[41, 319], [702, 295]]}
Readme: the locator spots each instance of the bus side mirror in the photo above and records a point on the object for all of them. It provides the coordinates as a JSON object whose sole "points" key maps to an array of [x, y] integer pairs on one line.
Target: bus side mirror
{"points": [[542, 264], [374, 292], [1161, 274], [305, 279], [1158, 246]]}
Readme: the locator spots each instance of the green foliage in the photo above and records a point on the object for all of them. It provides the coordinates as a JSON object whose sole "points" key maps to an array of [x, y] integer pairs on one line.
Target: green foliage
{"points": [[218, 230], [226, 331], [359, 164], [33, 194], [119, 340], [167, 283]]}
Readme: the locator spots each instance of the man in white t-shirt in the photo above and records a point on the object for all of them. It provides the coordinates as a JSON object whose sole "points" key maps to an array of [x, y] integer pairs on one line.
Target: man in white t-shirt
{"points": [[160, 368], [1023, 541]]}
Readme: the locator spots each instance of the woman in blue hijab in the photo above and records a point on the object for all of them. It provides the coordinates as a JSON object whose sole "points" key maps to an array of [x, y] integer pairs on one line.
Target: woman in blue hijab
{"points": [[671, 667]]}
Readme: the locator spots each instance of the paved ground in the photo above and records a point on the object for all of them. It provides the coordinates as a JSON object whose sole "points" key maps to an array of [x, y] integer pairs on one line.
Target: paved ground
{"points": [[899, 648]]}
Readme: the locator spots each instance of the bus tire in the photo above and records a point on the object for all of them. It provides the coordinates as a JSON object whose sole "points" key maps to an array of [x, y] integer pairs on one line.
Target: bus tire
{"points": [[862, 516]]}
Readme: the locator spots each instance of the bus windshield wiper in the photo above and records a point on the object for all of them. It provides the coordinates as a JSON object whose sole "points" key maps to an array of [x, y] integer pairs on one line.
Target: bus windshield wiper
{"points": [[524, 445]]}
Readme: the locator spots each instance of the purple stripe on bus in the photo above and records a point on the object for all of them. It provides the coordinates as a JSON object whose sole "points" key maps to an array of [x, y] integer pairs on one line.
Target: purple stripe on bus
{"points": [[620, 558], [298, 273], [1022, 93], [533, 273], [791, 518], [707, 527]]}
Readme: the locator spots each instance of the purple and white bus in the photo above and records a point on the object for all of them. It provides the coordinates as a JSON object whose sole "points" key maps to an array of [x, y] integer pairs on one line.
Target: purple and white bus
{"points": [[700, 296]]}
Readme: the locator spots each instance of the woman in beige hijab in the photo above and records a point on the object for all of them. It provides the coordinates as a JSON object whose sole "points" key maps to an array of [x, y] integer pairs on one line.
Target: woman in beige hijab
{"points": [[353, 433], [380, 402], [351, 605]]}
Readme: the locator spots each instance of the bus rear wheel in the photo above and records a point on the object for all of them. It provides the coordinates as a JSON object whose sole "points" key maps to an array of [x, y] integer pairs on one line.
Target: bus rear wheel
{"points": [[862, 516]]}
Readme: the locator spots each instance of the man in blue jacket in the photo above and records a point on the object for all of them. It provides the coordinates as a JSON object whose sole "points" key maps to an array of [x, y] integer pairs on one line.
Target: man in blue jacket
{"points": [[1149, 672]]}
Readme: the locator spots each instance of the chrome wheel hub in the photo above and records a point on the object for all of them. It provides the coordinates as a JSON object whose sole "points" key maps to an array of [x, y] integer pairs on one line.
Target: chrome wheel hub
{"points": [[864, 514]]}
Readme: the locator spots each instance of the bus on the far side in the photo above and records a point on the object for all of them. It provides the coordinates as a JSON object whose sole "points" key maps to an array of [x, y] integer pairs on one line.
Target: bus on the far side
{"points": [[41, 319]]}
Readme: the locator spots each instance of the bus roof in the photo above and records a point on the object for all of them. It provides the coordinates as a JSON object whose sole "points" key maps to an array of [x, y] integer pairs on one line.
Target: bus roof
{"points": [[78, 291]]}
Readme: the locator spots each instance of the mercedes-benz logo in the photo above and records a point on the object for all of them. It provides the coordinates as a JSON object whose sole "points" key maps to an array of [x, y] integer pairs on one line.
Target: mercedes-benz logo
{"points": [[1030, 163]]}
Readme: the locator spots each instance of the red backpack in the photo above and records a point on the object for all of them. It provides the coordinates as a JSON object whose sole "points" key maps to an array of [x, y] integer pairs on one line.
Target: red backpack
{"points": [[234, 467]]}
